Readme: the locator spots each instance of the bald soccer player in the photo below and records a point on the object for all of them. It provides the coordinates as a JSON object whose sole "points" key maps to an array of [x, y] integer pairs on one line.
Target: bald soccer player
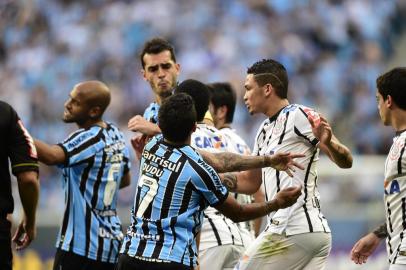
{"points": [[95, 164]]}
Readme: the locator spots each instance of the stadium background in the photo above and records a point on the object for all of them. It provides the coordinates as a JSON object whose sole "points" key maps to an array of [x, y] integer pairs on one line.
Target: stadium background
{"points": [[333, 50]]}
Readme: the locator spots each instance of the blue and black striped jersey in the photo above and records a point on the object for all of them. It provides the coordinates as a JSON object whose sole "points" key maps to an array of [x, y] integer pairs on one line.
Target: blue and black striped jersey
{"points": [[96, 160], [151, 113], [174, 188]]}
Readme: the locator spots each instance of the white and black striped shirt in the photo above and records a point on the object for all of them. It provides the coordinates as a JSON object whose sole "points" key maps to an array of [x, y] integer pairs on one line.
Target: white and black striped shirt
{"points": [[290, 131], [395, 200]]}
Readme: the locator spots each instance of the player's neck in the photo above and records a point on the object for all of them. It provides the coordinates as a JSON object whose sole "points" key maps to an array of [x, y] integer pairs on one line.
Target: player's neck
{"points": [[91, 123], [178, 144], [399, 120], [223, 125], [276, 106]]}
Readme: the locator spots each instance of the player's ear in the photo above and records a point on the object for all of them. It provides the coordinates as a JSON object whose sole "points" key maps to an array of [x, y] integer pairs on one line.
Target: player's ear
{"points": [[223, 111], [268, 89], [144, 74], [194, 127], [389, 101], [95, 112]]}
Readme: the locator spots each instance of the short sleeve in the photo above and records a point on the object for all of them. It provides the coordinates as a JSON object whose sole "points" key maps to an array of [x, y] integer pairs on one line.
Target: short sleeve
{"points": [[22, 151], [302, 126], [82, 145]]}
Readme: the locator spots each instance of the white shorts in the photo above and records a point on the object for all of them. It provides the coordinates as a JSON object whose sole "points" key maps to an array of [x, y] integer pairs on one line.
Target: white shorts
{"points": [[220, 257], [274, 251]]}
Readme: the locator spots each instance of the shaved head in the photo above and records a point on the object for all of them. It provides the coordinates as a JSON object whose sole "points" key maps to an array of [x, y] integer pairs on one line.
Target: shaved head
{"points": [[86, 103], [95, 94]]}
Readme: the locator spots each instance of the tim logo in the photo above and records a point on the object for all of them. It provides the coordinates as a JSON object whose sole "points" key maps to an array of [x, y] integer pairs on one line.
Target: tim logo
{"points": [[393, 188]]}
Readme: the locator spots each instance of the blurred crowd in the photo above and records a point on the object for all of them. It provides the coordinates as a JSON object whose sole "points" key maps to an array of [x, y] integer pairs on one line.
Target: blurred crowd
{"points": [[333, 50]]}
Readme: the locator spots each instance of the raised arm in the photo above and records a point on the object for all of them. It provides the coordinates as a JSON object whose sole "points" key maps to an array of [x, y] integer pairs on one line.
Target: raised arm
{"points": [[243, 212], [329, 144], [50, 154]]}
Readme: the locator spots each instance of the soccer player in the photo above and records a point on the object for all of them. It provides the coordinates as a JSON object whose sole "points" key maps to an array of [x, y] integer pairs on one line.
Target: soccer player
{"points": [[160, 70], [175, 186], [297, 237], [95, 164], [222, 106], [391, 99], [17, 145], [221, 242]]}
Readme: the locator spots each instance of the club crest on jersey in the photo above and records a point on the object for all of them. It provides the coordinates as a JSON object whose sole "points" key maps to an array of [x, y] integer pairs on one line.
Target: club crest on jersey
{"points": [[391, 187], [396, 149], [279, 125]]}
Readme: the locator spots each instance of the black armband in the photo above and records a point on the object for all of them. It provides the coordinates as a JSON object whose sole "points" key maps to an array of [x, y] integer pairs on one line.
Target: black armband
{"points": [[381, 231]]}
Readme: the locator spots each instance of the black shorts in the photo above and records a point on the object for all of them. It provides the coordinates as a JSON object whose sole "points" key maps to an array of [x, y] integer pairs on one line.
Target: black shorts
{"points": [[66, 260], [126, 262], [6, 256]]}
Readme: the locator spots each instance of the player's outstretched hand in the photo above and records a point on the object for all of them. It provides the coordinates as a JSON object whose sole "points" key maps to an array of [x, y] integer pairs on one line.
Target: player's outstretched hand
{"points": [[287, 197], [140, 124], [321, 128], [364, 248], [285, 162], [24, 235]]}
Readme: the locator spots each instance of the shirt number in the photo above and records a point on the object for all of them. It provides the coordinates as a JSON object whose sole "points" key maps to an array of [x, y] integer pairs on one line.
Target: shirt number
{"points": [[149, 189]]}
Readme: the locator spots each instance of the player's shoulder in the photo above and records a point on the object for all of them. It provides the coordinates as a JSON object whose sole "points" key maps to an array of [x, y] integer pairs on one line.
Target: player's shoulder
{"points": [[81, 135], [152, 107], [6, 111]]}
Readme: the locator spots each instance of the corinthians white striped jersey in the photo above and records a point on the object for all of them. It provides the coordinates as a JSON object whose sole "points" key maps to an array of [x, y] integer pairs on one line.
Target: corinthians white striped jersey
{"points": [[290, 131], [217, 229], [235, 144], [395, 200]]}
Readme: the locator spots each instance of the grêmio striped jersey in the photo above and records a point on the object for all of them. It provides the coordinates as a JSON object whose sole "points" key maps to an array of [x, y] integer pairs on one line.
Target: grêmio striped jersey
{"points": [[289, 130], [174, 187], [217, 229], [395, 200], [96, 160], [151, 112]]}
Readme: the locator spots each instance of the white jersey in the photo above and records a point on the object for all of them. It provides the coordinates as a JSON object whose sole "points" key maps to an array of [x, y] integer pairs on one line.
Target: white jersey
{"points": [[217, 229], [290, 131], [395, 200], [235, 144]]}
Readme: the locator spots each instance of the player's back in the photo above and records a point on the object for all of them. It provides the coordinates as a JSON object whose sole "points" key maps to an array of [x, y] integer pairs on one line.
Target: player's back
{"points": [[174, 188]]}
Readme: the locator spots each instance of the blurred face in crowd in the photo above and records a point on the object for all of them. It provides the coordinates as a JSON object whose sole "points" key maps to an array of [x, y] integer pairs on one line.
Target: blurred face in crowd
{"points": [[383, 108], [255, 95], [76, 107], [161, 72]]}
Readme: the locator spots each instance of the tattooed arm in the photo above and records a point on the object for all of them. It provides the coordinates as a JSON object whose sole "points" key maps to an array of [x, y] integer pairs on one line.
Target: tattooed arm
{"points": [[242, 212], [381, 232], [229, 162], [246, 182]]}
